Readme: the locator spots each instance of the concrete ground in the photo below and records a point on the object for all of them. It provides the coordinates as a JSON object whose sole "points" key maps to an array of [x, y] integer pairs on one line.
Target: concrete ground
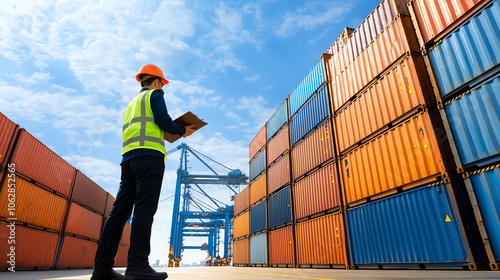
{"points": [[244, 273]]}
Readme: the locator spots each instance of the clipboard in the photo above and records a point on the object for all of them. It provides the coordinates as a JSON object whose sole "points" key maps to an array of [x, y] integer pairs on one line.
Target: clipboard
{"points": [[185, 120]]}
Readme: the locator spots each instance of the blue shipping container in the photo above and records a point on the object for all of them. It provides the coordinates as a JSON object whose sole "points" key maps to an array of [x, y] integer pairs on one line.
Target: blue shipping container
{"points": [[277, 120], [258, 249], [486, 186], [467, 52], [309, 84], [474, 121], [258, 217], [314, 112], [280, 207], [419, 226], [258, 165]]}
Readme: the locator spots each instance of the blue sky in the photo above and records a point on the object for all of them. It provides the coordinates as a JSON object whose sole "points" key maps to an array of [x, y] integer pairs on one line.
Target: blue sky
{"points": [[67, 72]]}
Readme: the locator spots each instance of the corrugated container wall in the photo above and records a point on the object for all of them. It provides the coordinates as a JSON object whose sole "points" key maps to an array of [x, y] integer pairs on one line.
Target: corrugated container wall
{"points": [[34, 249], [242, 225], [34, 160], [258, 165], [258, 249], [257, 143], [278, 120], [474, 120], [34, 205], [316, 110], [83, 222], [305, 89], [258, 217], [241, 251], [419, 226], [467, 52], [280, 208], [127, 230], [242, 201], [278, 174], [406, 154], [76, 252], [8, 130], [281, 246], [317, 192], [88, 193], [258, 189], [109, 204], [121, 256], [278, 145]]}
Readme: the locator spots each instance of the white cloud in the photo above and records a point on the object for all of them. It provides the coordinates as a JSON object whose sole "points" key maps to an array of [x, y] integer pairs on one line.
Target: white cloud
{"points": [[233, 116], [103, 172], [256, 106], [252, 79]]}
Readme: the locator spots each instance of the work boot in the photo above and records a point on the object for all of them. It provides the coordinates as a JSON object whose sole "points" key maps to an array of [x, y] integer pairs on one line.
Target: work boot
{"points": [[145, 274], [106, 274]]}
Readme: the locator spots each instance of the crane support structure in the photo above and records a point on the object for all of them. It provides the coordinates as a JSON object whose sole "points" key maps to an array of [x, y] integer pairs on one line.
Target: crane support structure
{"points": [[211, 214]]}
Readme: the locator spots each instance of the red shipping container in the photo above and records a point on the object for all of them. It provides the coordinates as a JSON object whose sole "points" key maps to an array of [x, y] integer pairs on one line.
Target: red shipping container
{"points": [[258, 189], [281, 246], [314, 150], [76, 253], [241, 252], [36, 161], [34, 248], [121, 256], [34, 205], [279, 174], [8, 131], [242, 201], [317, 192], [88, 193], [257, 143], [321, 241], [126, 235], [278, 145], [109, 204], [83, 222]]}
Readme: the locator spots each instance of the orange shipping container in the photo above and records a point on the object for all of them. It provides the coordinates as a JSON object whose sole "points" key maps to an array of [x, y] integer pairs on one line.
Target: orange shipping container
{"points": [[34, 205], [242, 201], [241, 251], [257, 143], [127, 229], [317, 192], [76, 252], [279, 174], [89, 193], [401, 89], [314, 150], [242, 225], [281, 247], [35, 161], [109, 204], [34, 248], [258, 189], [8, 131], [278, 145], [121, 256], [83, 222], [321, 241], [407, 156], [396, 40]]}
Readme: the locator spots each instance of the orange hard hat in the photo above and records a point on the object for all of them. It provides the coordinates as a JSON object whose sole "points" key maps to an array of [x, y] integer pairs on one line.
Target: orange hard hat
{"points": [[153, 70]]}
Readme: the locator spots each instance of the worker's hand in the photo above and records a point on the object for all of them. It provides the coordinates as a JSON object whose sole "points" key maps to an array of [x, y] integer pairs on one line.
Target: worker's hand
{"points": [[189, 130]]}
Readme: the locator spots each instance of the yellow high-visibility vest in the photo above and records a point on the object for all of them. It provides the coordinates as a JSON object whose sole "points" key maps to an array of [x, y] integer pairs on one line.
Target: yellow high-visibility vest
{"points": [[139, 128]]}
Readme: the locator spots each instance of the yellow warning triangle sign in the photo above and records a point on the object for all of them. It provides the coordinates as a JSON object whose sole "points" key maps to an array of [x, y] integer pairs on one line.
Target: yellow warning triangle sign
{"points": [[447, 219]]}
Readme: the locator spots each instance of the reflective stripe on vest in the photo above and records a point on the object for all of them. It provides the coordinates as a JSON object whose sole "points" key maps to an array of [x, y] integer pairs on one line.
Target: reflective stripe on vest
{"points": [[141, 131]]}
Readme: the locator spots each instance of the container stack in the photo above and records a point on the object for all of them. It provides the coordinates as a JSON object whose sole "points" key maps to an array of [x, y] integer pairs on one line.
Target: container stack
{"points": [[463, 61], [241, 243]]}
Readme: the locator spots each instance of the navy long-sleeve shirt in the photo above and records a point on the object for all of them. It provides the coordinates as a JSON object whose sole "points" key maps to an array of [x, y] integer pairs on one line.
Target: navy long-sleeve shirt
{"points": [[164, 122]]}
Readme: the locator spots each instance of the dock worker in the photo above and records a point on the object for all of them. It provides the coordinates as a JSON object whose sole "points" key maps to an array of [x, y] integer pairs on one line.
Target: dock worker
{"points": [[143, 163]]}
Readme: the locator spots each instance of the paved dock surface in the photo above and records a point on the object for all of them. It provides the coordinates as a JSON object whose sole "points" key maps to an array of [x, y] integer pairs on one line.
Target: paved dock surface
{"points": [[244, 273]]}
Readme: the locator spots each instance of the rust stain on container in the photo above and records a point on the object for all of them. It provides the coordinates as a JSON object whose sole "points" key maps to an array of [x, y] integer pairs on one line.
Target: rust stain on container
{"points": [[278, 145], [241, 251], [109, 204], [321, 241], [242, 201], [34, 205], [76, 252], [279, 174], [8, 130], [398, 91], [36, 161], [121, 256], [281, 246], [127, 229], [257, 143], [403, 156], [242, 225], [83, 222], [89, 193], [317, 192], [314, 150], [34, 249], [258, 189]]}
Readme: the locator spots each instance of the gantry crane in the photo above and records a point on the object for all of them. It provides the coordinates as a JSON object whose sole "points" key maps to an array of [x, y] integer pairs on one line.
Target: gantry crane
{"points": [[211, 216]]}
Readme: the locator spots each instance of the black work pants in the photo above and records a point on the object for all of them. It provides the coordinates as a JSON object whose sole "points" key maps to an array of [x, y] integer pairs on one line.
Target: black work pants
{"points": [[140, 185]]}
